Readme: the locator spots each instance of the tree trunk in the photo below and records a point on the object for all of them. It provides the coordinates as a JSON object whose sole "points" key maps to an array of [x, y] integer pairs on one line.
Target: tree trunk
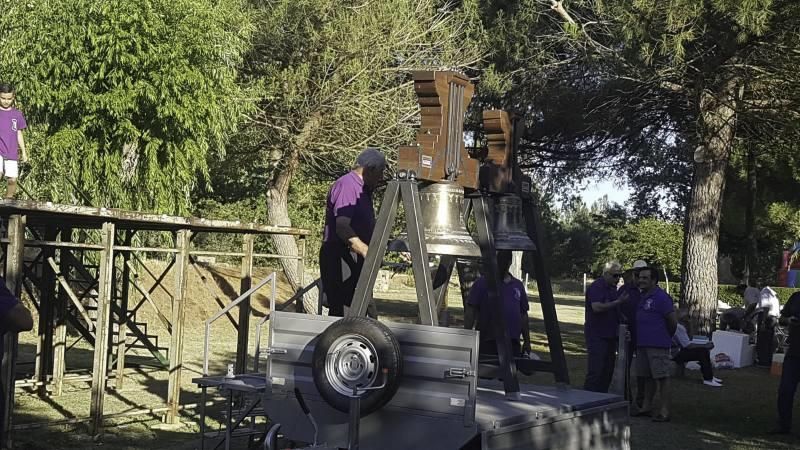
{"points": [[749, 218], [684, 272], [278, 212], [717, 126]]}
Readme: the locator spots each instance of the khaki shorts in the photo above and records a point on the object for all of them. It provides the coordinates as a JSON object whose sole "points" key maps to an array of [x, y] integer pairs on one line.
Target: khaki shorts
{"points": [[653, 362]]}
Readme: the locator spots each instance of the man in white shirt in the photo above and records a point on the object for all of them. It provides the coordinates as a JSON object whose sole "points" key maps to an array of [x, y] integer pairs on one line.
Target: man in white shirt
{"points": [[750, 293], [768, 299], [683, 350]]}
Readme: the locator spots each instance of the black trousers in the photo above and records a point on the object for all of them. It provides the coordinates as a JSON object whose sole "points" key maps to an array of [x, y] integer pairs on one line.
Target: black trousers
{"points": [[701, 355], [765, 341], [338, 290], [789, 379], [602, 353]]}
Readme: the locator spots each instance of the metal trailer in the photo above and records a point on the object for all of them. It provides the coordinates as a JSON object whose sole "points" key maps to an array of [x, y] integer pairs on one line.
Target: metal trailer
{"points": [[442, 403]]}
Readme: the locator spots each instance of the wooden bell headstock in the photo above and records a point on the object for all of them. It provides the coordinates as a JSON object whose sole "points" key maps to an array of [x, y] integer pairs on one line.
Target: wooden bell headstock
{"points": [[440, 153], [500, 172]]}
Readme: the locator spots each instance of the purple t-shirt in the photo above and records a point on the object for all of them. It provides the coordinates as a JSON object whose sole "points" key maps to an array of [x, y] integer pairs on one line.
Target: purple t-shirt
{"points": [[348, 198], [651, 320], [601, 324], [515, 303], [11, 121]]}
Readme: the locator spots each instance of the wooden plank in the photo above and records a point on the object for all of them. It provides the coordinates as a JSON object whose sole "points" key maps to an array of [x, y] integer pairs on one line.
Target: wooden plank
{"points": [[68, 290], [123, 316], [102, 330], [47, 288], [60, 336], [147, 297], [142, 337], [47, 212], [183, 244], [14, 274], [244, 307]]}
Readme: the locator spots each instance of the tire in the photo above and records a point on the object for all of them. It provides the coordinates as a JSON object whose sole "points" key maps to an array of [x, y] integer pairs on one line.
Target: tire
{"points": [[364, 340]]}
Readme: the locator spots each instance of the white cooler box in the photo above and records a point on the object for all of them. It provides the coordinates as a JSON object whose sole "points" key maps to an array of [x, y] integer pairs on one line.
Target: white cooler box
{"points": [[735, 345]]}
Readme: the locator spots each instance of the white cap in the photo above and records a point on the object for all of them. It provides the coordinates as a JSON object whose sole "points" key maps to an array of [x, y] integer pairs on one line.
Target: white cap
{"points": [[639, 264]]}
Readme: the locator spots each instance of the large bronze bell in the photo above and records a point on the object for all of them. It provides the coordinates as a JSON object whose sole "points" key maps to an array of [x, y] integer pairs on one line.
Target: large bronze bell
{"points": [[509, 225], [443, 221]]}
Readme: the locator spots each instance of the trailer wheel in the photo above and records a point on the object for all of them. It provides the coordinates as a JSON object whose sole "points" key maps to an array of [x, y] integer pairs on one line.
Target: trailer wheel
{"points": [[353, 353]]}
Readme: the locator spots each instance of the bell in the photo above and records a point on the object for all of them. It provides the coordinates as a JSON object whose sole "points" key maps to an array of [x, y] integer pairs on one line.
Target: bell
{"points": [[443, 221], [509, 225]]}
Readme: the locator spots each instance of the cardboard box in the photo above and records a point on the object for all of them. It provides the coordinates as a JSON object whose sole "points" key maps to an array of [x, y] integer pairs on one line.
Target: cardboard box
{"points": [[734, 344]]}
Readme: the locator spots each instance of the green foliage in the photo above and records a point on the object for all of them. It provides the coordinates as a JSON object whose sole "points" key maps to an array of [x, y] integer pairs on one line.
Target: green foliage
{"points": [[125, 98], [658, 242], [334, 76], [728, 294], [586, 238]]}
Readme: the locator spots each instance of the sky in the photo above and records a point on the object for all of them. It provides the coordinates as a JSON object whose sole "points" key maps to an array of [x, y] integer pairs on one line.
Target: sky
{"points": [[597, 189]]}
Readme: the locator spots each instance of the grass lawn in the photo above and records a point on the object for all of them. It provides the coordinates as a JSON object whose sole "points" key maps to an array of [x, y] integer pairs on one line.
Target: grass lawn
{"points": [[734, 416]]}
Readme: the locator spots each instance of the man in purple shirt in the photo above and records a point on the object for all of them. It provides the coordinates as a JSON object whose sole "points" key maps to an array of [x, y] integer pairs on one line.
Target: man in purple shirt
{"points": [[349, 222], [12, 145], [656, 323], [479, 312], [601, 327]]}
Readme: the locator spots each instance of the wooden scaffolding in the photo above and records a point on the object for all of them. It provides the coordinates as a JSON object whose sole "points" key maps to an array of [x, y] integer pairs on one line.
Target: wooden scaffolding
{"points": [[49, 258]]}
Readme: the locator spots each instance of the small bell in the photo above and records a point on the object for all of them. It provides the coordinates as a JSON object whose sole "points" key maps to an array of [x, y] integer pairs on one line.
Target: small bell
{"points": [[510, 232]]}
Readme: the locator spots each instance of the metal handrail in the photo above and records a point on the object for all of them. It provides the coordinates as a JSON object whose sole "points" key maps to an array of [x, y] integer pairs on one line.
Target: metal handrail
{"points": [[271, 278], [266, 317]]}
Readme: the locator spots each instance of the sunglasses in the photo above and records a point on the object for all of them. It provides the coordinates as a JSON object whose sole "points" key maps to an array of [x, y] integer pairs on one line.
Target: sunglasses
{"points": [[616, 275]]}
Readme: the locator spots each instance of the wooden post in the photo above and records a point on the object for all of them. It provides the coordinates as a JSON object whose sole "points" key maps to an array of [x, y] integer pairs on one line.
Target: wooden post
{"points": [[123, 319], [244, 306], [102, 330], [44, 345], [60, 350], [301, 270], [14, 274], [183, 244]]}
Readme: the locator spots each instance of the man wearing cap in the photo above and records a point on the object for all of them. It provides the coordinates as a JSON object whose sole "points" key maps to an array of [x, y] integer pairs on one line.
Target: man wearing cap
{"points": [[601, 327], [627, 313], [349, 222]]}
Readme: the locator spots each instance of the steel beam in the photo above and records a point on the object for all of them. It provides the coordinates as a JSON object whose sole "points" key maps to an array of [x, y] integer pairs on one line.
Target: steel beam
{"points": [[377, 248], [546, 299], [481, 207]]}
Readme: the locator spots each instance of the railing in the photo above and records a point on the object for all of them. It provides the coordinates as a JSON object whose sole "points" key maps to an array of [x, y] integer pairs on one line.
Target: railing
{"points": [[271, 278], [272, 307]]}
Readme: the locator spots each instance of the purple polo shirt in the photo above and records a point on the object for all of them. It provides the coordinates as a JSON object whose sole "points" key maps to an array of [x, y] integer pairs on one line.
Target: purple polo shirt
{"points": [[651, 319], [601, 324], [11, 121], [515, 304], [628, 309], [349, 198]]}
